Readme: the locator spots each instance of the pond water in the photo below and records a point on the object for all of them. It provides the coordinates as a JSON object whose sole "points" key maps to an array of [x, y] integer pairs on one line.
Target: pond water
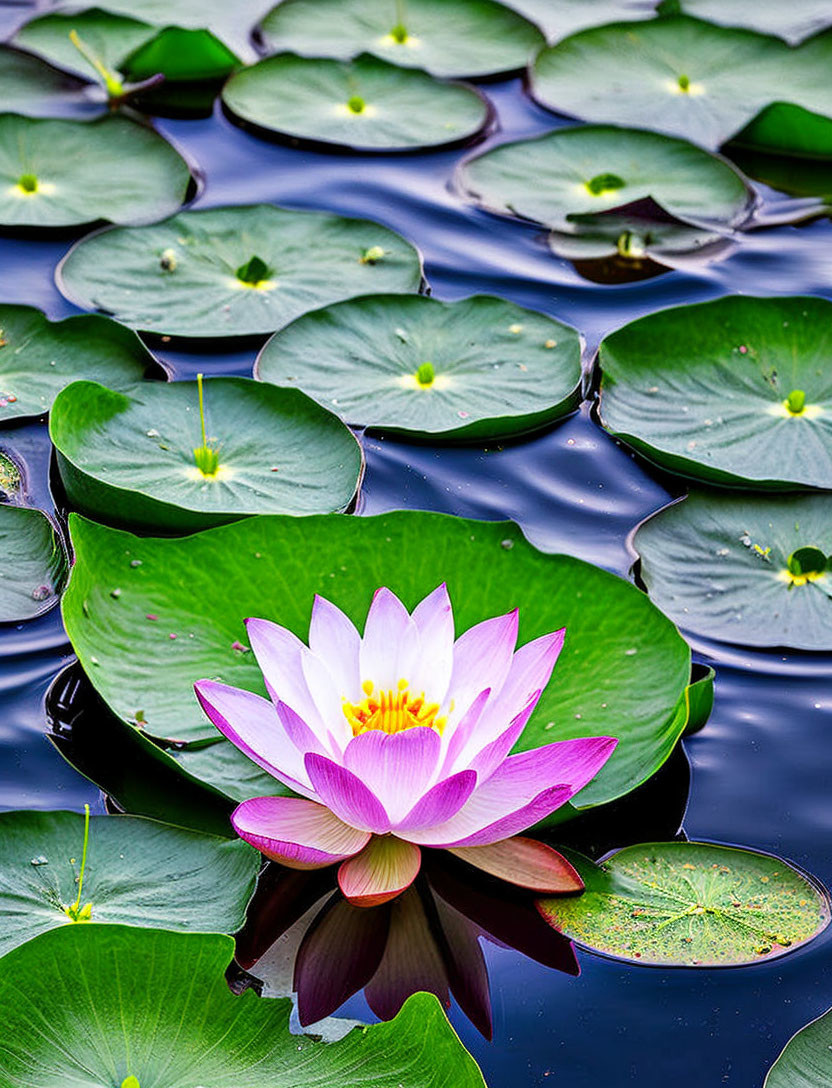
{"points": [[760, 769]]}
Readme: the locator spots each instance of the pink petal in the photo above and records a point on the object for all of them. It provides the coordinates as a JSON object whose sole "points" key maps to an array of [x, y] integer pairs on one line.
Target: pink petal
{"points": [[525, 862], [279, 654], [461, 732], [396, 767], [328, 702], [486, 762], [575, 762], [439, 804], [251, 723], [483, 654], [299, 732], [296, 832], [383, 869], [347, 796], [434, 620], [334, 639], [390, 644]]}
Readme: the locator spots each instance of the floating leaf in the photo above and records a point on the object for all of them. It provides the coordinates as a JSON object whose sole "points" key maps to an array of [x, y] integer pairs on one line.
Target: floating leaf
{"points": [[793, 22], [623, 671], [714, 390], [782, 129], [99, 1005], [63, 173], [38, 357], [690, 904], [31, 87], [806, 1060], [133, 459], [179, 277], [32, 564], [137, 872], [753, 571], [466, 38], [560, 18], [477, 368], [365, 104]]}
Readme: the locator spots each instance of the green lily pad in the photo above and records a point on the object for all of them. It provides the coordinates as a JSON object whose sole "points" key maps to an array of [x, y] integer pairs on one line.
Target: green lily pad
{"points": [[31, 87], [623, 672], [137, 872], [237, 271], [806, 1060], [736, 391], [792, 22], [690, 904], [365, 104], [38, 357], [782, 129], [754, 571], [64, 173], [635, 237], [477, 368], [560, 18], [32, 564], [675, 75], [582, 171], [467, 38], [88, 1006], [138, 459]]}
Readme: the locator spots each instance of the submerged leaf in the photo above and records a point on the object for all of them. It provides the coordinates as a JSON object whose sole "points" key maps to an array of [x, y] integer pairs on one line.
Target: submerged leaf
{"points": [[32, 564]]}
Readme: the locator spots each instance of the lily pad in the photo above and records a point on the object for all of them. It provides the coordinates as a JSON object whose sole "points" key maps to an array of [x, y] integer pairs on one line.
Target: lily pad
{"points": [[806, 1060], [623, 672], [32, 564], [106, 1005], [595, 168], [690, 904], [137, 459], [38, 357], [635, 237], [237, 271], [560, 18], [31, 87], [477, 368], [64, 173], [736, 391], [753, 571], [365, 104], [792, 22], [137, 872], [467, 38]]}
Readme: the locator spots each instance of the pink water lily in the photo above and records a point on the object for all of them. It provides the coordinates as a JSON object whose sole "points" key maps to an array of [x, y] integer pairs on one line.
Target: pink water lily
{"points": [[400, 740]]}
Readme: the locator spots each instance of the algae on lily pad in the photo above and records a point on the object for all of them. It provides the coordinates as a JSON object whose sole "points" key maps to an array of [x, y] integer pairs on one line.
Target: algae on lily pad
{"points": [[365, 104], [750, 570], [235, 271], [88, 1006], [591, 169], [179, 617], [31, 87], [32, 564], [150, 458], [65, 173], [478, 368], [463, 38], [690, 904], [806, 1060], [38, 357], [128, 870], [735, 391]]}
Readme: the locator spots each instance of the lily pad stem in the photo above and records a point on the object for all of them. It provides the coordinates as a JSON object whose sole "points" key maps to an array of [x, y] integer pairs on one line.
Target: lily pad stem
{"points": [[113, 85], [399, 32], [207, 458], [76, 912], [796, 402]]}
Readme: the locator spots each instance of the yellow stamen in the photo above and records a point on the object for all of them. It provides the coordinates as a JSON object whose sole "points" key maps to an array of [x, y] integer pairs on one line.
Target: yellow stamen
{"points": [[392, 711]]}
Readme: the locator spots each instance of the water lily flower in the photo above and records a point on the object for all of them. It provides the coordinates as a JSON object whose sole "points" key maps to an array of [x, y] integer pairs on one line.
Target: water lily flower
{"points": [[400, 740]]}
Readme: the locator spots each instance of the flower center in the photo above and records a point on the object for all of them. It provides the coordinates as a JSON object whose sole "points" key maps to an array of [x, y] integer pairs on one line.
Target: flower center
{"points": [[391, 711]]}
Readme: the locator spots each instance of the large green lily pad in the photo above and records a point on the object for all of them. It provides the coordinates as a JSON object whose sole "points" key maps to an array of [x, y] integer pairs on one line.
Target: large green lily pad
{"points": [[38, 357], [594, 168], [623, 672], [365, 104], [792, 22], [785, 130], [690, 904], [754, 571], [31, 87], [806, 1060], [137, 872], [129, 458], [32, 564], [489, 368], [234, 271], [86, 1006], [736, 391], [560, 18], [63, 173], [466, 38]]}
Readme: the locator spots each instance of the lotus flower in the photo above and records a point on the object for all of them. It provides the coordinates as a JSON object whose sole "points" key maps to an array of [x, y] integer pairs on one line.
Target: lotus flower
{"points": [[400, 740]]}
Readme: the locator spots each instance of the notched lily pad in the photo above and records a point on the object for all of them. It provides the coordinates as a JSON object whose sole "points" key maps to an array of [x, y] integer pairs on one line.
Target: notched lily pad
{"points": [[466, 38], [690, 904], [753, 571], [146, 458], [32, 564], [736, 391], [38, 357], [365, 104], [137, 872], [473, 369], [200, 273], [806, 1060]]}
